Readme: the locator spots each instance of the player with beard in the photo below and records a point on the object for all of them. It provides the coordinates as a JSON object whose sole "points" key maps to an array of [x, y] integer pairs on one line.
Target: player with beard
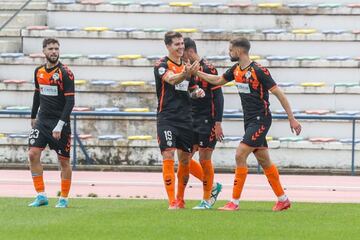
{"points": [[253, 83], [54, 94]]}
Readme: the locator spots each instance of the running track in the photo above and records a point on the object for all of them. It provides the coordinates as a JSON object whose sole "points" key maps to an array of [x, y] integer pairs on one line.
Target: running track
{"points": [[18, 183]]}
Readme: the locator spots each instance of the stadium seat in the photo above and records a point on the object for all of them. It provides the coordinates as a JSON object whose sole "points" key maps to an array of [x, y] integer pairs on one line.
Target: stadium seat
{"points": [[129, 57], [349, 141], [99, 56], [80, 82], [2, 135], [36, 55], [210, 4], [244, 31], [217, 58], [136, 110], [338, 58], [348, 113], [107, 109], [322, 140], [154, 30], [304, 31], [329, 5], [239, 5], [110, 137], [312, 84], [180, 4], [346, 84], [273, 31], [154, 57], [269, 138], [18, 135], [70, 56], [66, 28], [132, 83], [185, 30], [81, 109], [334, 31], [307, 58], [299, 5], [151, 4], [230, 84], [214, 31], [91, 2], [291, 139], [140, 137], [96, 29], [278, 58], [317, 112], [356, 31], [102, 82], [37, 27], [285, 84], [14, 81], [18, 108], [120, 3], [11, 55], [353, 5], [232, 138], [63, 1], [282, 111], [231, 111], [127, 30], [255, 57], [84, 136], [269, 5]]}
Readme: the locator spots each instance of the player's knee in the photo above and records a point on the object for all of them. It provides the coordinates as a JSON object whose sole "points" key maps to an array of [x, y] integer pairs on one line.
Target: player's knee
{"points": [[205, 154], [168, 154], [64, 163], [34, 155]]}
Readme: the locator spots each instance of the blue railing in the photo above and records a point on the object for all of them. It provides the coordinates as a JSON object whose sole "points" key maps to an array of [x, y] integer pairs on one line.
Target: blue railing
{"points": [[76, 139]]}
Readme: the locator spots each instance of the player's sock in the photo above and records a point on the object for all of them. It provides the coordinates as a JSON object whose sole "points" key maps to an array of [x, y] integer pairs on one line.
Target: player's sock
{"points": [[208, 178], [65, 187], [272, 175], [183, 178], [169, 178], [39, 185], [240, 177], [196, 169]]}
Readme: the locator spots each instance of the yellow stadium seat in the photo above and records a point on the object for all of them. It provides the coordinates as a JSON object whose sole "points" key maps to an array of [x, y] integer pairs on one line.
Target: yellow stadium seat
{"points": [[230, 84], [80, 82], [140, 137], [270, 5], [304, 31], [269, 138], [185, 30], [2, 135], [255, 57], [313, 84], [136, 110], [132, 83], [180, 4], [129, 57], [96, 29]]}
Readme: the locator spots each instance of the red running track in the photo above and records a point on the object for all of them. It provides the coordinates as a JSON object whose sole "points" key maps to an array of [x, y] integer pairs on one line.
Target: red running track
{"points": [[15, 183]]}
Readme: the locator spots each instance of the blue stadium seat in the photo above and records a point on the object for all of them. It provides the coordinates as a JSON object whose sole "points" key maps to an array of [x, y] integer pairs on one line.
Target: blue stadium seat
{"points": [[214, 30], [341, 84], [349, 141], [154, 57], [63, 1], [154, 30], [11, 55], [210, 4], [231, 111], [67, 28], [151, 4], [102, 82], [291, 139], [244, 31], [285, 84], [127, 30], [107, 109], [348, 113], [99, 56], [110, 137], [307, 58], [18, 135], [299, 5], [334, 31], [18, 108], [338, 58], [232, 138]]}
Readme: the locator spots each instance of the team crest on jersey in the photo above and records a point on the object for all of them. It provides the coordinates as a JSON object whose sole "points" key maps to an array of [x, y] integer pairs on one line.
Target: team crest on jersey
{"points": [[56, 76], [169, 143], [248, 74], [32, 141], [162, 70]]}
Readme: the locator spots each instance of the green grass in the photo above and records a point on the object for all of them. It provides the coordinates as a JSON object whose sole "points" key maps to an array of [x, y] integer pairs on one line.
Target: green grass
{"points": [[150, 219]]}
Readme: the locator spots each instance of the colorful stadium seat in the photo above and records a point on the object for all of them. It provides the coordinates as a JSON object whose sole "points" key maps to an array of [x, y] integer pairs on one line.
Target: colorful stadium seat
{"points": [[334, 31], [36, 55], [210, 4], [18, 108], [96, 29], [81, 109], [99, 56], [299, 5], [14, 81], [70, 56], [102, 82], [322, 140], [349, 141], [11, 55], [231, 111], [217, 58], [312, 84], [329, 5], [129, 57], [269, 5], [269, 138], [356, 31], [84, 136], [239, 5], [291, 139], [353, 5], [121, 3], [185, 30], [151, 4], [66, 28], [2, 135], [307, 58], [140, 137], [285, 84], [244, 31], [338, 58], [154, 57], [132, 83], [91, 2], [317, 112], [63, 1], [255, 57], [282, 111], [37, 27], [348, 113], [154, 30], [277, 58], [18, 135], [304, 31], [214, 30], [136, 110], [232, 138], [180, 4], [273, 31], [107, 109], [110, 137], [127, 30], [80, 82], [346, 84]]}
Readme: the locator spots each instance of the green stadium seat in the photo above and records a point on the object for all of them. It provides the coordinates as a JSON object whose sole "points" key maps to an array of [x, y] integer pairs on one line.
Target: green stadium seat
{"points": [[274, 31], [291, 139], [329, 5], [127, 30], [120, 3], [277, 58], [70, 56], [346, 84]]}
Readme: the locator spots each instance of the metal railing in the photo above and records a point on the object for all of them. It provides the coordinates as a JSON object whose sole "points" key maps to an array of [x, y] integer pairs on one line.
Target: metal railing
{"points": [[15, 14], [77, 140]]}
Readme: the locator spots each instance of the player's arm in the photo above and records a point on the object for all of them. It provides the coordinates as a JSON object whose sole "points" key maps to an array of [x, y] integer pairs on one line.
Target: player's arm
{"points": [[176, 78], [212, 79], [219, 110], [69, 92], [294, 124], [36, 101]]}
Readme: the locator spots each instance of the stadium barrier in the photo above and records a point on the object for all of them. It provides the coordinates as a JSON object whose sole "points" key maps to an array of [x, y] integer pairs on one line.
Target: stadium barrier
{"points": [[77, 140]]}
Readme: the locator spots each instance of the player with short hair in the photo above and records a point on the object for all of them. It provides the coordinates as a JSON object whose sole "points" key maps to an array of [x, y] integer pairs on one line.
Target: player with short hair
{"points": [[207, 116], [174, 120], [253, 83], [54, 94]]}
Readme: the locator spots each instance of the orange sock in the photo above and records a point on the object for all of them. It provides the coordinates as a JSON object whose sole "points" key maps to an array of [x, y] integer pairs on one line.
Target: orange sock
{"points": [[169, 178], [65, 187], [196, 170], [273, 177], [208, 178], [183, 178], [39, 183], [240, 177]]}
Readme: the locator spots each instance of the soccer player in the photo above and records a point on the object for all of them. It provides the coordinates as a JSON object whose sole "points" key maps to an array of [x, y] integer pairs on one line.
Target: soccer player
{"points": [[174, 121], [207, 116], [54, 94], [253, 83]]}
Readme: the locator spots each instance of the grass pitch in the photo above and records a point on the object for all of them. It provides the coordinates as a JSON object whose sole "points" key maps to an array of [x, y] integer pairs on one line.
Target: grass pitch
{"points": [[149, 219]]}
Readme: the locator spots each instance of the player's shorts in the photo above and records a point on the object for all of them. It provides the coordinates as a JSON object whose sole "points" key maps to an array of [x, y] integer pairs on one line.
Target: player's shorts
{"points": [[256, 131], [204, 133], [41, 136], [174, 137]]}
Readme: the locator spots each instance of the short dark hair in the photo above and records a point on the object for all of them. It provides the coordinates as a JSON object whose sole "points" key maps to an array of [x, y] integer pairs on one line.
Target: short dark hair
{"points": [[48, 41], [169, 36], [241, 42], [189, 43]]}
